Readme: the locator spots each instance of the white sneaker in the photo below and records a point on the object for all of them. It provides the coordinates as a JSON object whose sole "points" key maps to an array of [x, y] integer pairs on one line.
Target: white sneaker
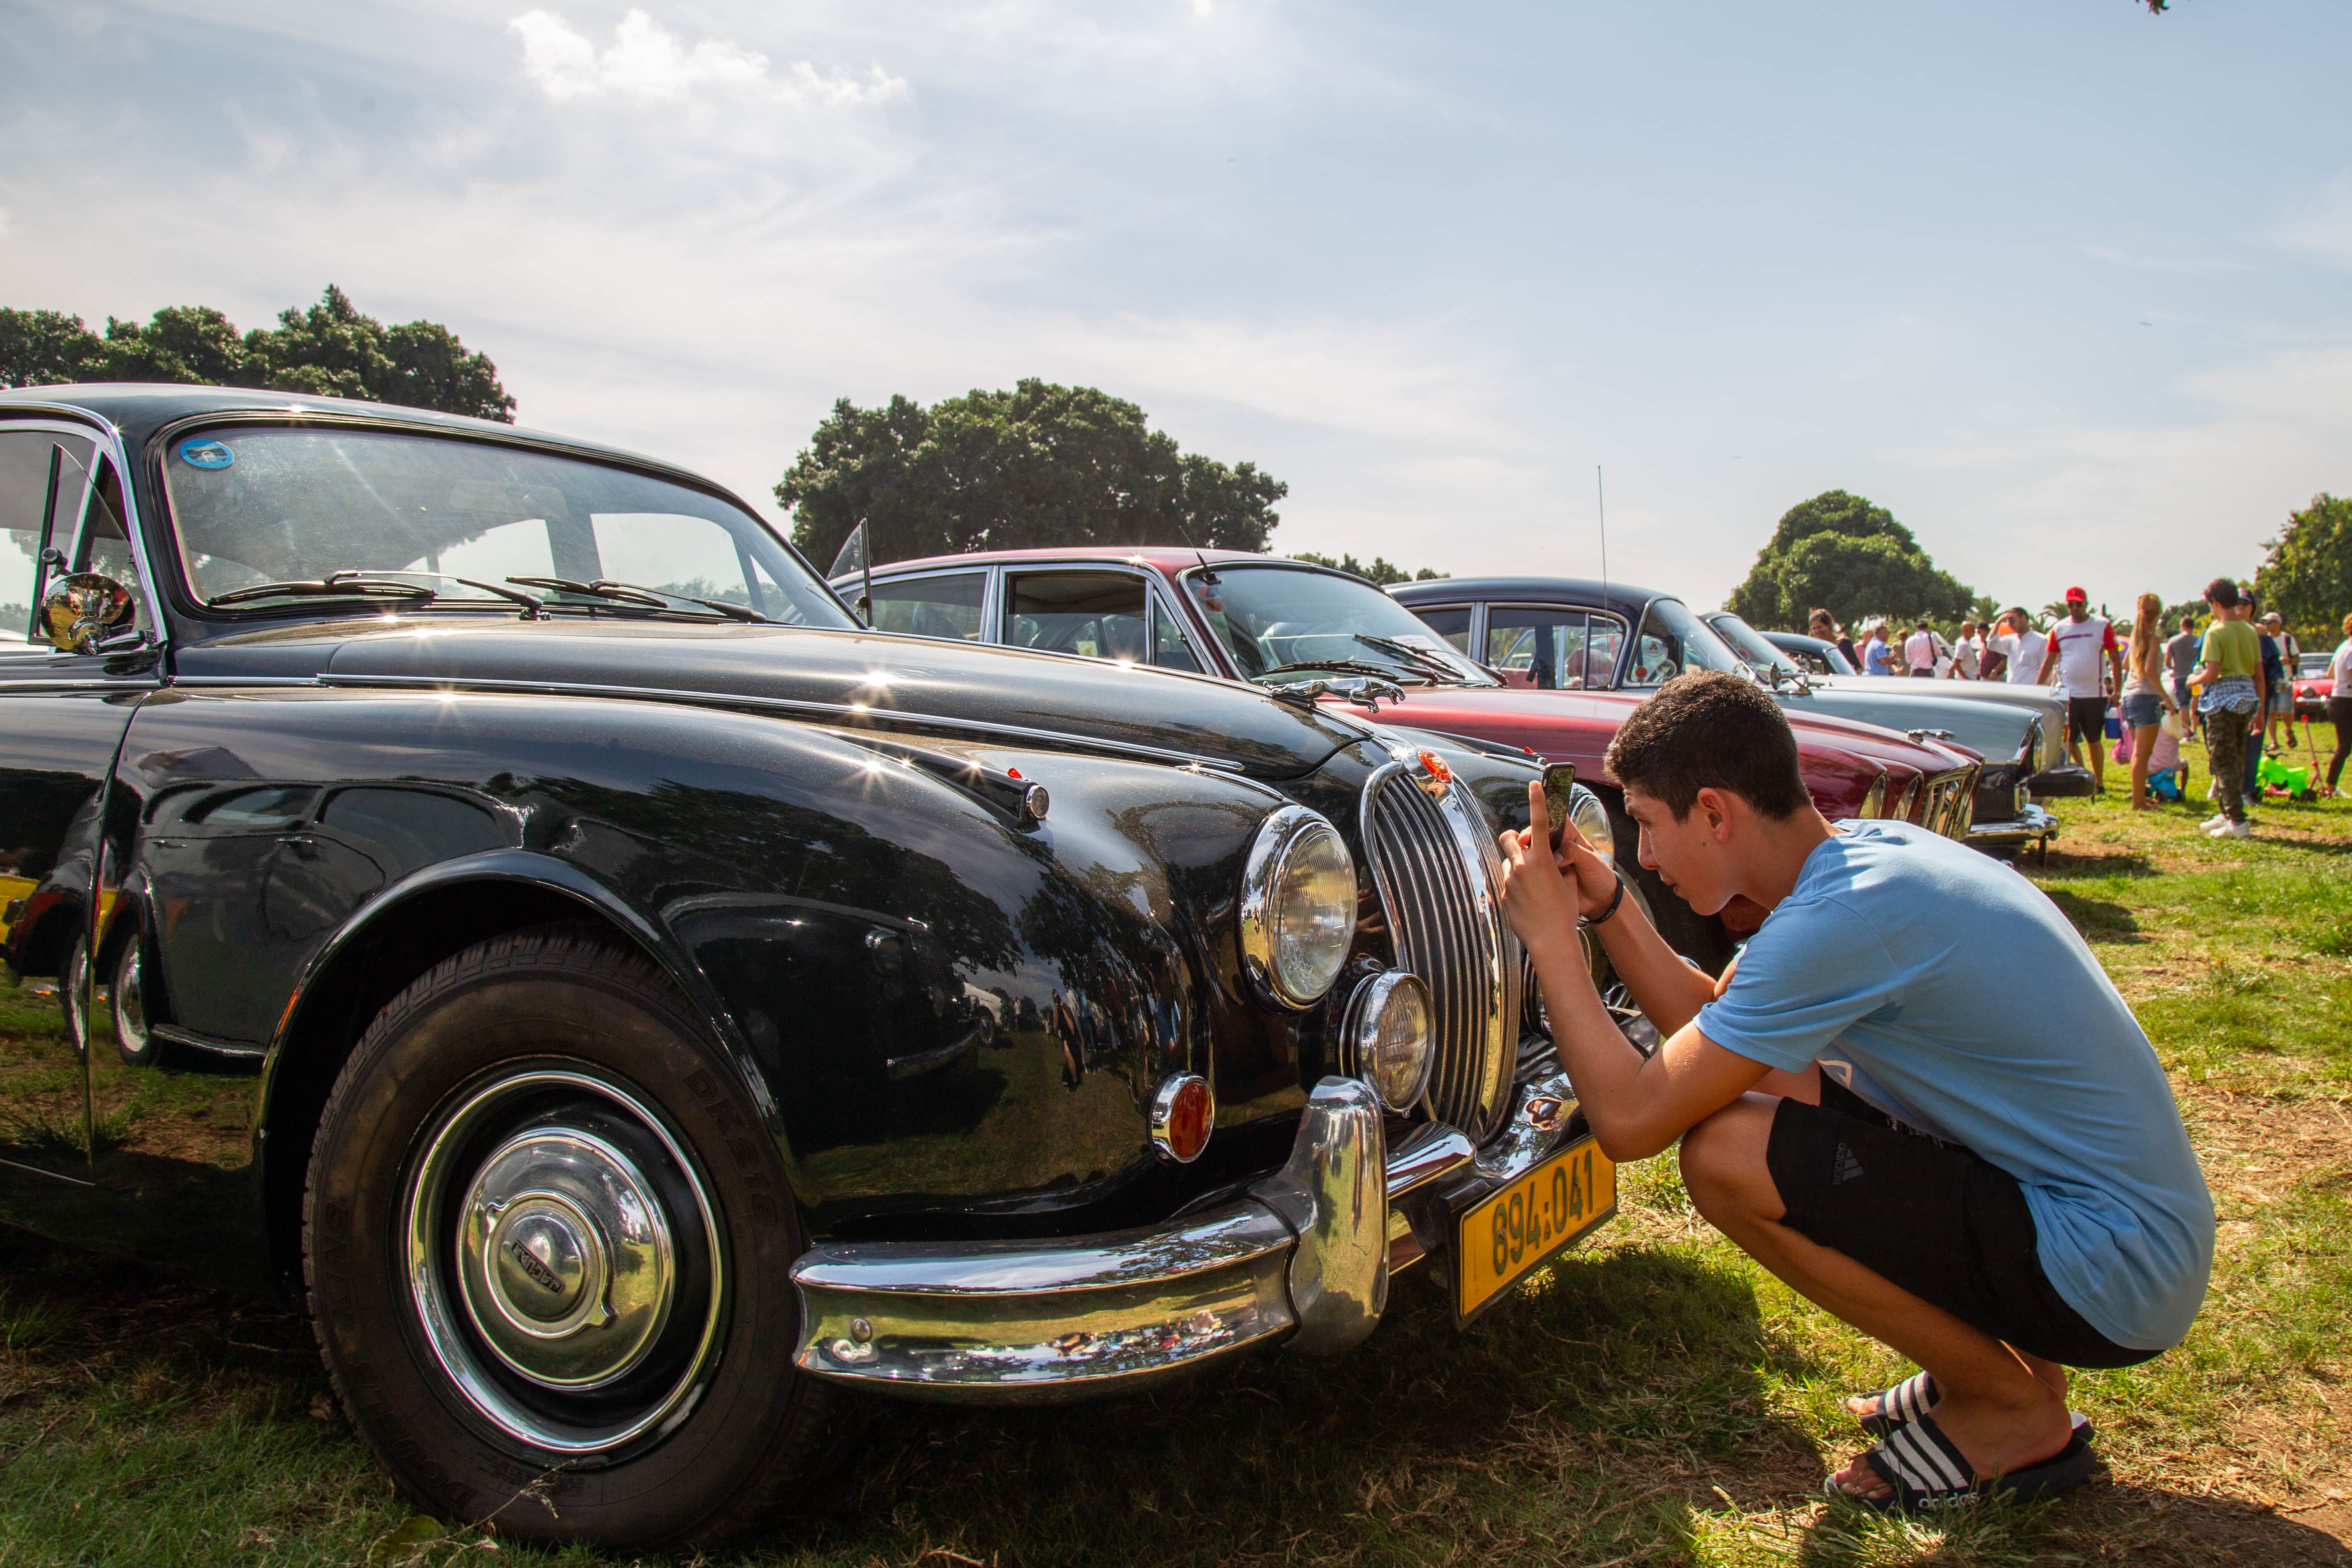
{"points": [[2218, 820], [2232, 830]]}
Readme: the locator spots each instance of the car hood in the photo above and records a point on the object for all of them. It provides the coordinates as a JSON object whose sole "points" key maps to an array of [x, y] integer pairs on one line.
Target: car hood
{"points": [[1998, 730], [829, 677]]}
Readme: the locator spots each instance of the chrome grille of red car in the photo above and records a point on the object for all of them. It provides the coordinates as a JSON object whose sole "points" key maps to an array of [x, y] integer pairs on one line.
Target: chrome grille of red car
{"points": [[1435, 865], [1951, 802]]}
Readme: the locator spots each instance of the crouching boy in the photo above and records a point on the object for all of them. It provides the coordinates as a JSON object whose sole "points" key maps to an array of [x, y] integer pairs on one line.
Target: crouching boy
{"points": [[1916, 1097]]}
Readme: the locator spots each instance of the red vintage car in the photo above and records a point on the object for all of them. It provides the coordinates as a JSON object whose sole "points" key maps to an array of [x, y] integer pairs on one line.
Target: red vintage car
{"points": [[2312, 687], [1324, 635]]}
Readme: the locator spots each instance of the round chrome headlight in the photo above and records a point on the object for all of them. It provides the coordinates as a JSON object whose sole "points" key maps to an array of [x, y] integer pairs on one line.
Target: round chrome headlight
{"points": [[1591, 819], [1298, 907], [1388, 1039]]}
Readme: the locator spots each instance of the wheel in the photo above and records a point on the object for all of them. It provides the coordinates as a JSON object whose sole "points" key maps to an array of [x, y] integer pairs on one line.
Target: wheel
{"points": [[132, 1039], [547, 1247], [73, 995]]}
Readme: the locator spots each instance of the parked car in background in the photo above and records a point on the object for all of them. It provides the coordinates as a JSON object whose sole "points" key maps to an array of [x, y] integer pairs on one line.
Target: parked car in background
{"points": [[2312, 687], [2023, 738], [486, 886], [1814, 655], [1319, 635]]}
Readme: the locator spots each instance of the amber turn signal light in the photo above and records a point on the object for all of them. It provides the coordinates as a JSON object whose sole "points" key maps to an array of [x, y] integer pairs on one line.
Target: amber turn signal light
{"points": [[1183, 1114]]}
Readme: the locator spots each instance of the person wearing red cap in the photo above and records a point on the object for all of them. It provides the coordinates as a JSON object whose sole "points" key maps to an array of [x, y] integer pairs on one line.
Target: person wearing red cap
{"points": [[2078, 645]]}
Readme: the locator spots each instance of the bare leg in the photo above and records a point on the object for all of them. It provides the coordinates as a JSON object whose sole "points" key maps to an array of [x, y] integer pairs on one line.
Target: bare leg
{"points": [[2143, 742], [1998, 1411], [2099, 763]]}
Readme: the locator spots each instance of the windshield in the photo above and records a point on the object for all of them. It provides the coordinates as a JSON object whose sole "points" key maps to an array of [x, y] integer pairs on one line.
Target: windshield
{"points": [[1749, 644], [2316, 664], [283, 505], [1283, 619], [1672, 639]]}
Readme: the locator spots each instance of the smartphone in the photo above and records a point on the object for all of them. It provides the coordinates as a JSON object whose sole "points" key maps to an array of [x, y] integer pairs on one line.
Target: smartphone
{"points": [[1559, 778]]}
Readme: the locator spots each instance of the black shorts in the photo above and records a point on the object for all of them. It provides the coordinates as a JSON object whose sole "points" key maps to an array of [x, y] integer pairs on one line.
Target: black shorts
{"points": [[2086, 718], [1937, 1219]]}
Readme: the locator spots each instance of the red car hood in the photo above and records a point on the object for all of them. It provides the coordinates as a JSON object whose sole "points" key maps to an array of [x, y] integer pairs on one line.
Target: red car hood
{"points": [[1840, 757]]}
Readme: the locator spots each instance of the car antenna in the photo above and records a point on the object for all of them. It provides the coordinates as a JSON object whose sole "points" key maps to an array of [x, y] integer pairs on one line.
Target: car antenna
{"points": [[1601, 496], [1208, 572]]}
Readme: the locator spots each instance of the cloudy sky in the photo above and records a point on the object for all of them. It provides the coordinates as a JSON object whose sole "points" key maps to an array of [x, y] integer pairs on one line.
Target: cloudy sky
{"points": [[2061, 284]]}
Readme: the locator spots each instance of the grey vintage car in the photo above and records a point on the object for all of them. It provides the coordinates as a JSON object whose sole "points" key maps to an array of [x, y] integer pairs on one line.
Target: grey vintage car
{"points": [[2020, 729]]}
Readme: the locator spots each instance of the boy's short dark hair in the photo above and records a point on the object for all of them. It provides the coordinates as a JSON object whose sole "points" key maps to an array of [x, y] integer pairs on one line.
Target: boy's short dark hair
{"points": [[1710, 730], [2223, 592]]}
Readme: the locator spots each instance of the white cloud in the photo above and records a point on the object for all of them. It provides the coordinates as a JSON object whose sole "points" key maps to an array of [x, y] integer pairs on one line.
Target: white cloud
{"points": [[647, 63]]}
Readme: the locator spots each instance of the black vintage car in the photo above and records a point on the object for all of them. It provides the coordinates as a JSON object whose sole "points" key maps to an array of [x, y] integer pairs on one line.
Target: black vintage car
{"points": [[487, 887]]}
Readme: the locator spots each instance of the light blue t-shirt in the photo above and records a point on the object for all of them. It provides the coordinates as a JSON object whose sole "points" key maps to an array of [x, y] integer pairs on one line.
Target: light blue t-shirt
{"points": [[1946, 989], [1875, 659]]}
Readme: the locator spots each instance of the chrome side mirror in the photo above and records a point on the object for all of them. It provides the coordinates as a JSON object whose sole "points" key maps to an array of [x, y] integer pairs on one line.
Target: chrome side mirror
{"points": [[86, 611]]}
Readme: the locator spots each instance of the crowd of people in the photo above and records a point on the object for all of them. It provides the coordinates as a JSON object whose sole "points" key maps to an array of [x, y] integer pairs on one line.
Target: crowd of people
{"points": [[2231, 683]]}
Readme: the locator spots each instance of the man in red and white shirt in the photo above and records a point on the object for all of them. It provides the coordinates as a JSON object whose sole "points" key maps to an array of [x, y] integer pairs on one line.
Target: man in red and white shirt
{"points": [[2078, 645]]}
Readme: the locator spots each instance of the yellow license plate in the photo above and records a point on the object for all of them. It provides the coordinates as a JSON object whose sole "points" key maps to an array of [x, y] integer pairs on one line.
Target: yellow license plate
{"points": [[1529, 1222]]}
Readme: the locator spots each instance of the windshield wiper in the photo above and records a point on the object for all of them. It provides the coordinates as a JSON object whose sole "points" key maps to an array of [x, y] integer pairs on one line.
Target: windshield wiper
{"points": [[636, 594], [1345, 666], [334, 585], [1421, 657]]}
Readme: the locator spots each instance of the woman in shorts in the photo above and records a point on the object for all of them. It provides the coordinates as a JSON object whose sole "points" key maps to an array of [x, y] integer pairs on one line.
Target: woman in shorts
{"points": [[2144, 700]]}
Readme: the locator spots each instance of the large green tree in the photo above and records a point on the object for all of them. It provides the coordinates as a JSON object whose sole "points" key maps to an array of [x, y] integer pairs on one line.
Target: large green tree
{"points": [[331, 347], [1041, 464], [2307, 577], [1382, 570], [1846, 554]]}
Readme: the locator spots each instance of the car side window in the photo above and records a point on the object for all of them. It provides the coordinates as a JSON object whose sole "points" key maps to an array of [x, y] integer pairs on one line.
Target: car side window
{"points": [[24, 461], [105, 541], [1451, 621], [1098, 614], [1551, 649], [945, 605], [1170, 649]]}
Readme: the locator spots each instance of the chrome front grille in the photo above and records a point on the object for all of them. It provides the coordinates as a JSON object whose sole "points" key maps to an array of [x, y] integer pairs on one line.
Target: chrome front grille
{"points": [[1435, 865], [1951, 802]]}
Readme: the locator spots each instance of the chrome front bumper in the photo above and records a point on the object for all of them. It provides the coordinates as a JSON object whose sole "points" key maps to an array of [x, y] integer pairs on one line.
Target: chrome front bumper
{"points": [[1305, 1257], [2033, 825]]}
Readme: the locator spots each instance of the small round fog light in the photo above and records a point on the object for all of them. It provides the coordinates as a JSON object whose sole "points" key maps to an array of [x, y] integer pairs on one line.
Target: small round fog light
{"points": [[1386, 1037], [1183, 1114]]}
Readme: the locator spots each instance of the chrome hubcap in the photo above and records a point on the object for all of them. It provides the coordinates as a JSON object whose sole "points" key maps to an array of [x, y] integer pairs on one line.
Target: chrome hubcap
{"points": [[130, 1002], [565, 1259]]}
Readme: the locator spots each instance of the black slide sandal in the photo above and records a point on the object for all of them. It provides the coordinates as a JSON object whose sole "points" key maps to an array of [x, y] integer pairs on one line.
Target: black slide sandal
{"points": [[1929, 1474], [1917, 1394]]}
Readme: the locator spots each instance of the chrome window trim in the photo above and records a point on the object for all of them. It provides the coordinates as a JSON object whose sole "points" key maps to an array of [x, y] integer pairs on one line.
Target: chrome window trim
{"points": [[294, 416], [1625, 631], [841, 715], [881, 579], [106, 444]]}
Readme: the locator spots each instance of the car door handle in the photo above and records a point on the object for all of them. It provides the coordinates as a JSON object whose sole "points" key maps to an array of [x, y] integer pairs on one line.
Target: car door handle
{"points": [[304, 846]]}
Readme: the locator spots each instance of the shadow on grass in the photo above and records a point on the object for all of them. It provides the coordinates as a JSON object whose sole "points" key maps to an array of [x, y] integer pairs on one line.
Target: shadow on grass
{"points": [[2099, 920], [1580, 1421], [2103, 1521]]}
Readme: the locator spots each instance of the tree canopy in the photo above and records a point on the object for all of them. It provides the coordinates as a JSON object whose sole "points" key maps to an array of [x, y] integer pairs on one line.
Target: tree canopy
{"points": [[2307, 577], [331, 348], [1041, 464], [1379, 571], [1844, 553]]}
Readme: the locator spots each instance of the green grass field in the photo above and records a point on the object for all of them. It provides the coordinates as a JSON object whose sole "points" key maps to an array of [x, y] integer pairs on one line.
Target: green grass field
{"points": [[1652, 1399]]}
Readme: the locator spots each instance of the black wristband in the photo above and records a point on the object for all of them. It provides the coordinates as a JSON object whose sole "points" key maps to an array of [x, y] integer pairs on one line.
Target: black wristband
{"points": [[1606, 915]]}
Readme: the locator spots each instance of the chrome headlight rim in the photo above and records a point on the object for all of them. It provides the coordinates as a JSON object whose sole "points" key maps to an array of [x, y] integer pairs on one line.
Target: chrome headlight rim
{"points": [[1360, 1030], [1591, 819], [1271, 856]]}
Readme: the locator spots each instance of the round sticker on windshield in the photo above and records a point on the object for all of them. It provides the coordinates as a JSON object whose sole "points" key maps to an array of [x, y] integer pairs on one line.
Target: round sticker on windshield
{"points": [[205, 454]]}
